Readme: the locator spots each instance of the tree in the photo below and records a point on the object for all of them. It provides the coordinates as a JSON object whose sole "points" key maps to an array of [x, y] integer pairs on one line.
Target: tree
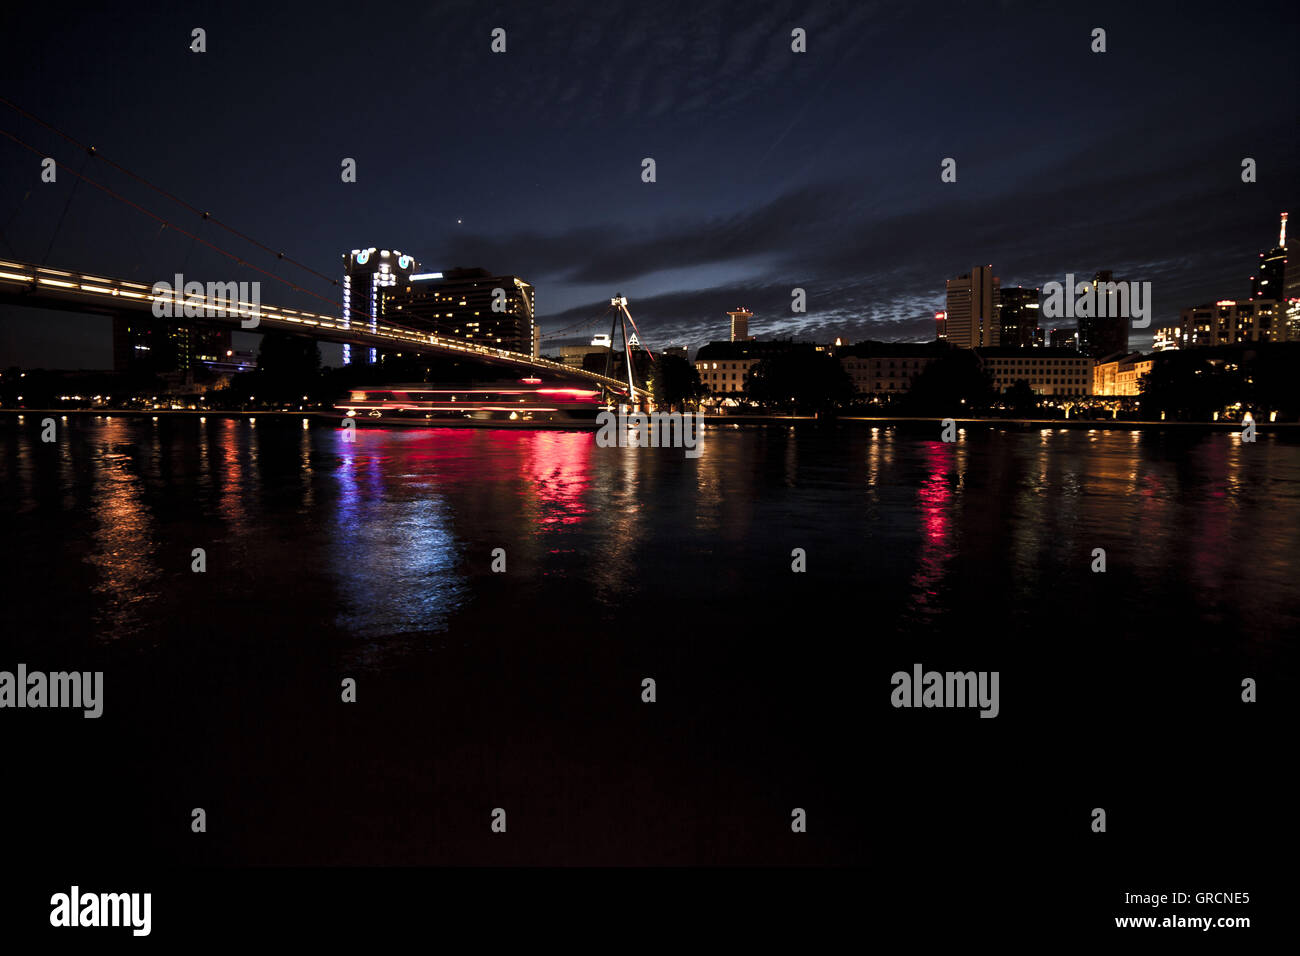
{"points": [[955, 383], [802, 380], [1022, 397], [674, 381], [1185, 385], [288, 367]]}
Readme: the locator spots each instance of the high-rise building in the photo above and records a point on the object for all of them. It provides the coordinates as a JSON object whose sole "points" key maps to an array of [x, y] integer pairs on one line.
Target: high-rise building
{"points": [[1063, 338], [1100, 334], [369, 274], [972, 309], [740, 324], [1166, 339], [467, 304], [1271, 283], [1228, 322], [941, 326], [1018, 316], [146, 344]]}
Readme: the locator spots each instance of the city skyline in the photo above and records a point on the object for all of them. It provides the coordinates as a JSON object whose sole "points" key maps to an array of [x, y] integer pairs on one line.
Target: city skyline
{"points": [[764, 181]]}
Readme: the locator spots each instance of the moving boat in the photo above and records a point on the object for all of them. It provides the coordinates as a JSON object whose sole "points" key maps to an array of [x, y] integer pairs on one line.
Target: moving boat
{"points": [[519, 403]]}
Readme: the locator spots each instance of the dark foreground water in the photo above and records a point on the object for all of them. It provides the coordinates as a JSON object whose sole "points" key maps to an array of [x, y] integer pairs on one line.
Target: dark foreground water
{"points": [[522, 690]]}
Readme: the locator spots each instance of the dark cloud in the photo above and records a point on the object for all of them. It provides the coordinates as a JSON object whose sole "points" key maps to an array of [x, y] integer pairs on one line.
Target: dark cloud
{"points": [[775, 170]]}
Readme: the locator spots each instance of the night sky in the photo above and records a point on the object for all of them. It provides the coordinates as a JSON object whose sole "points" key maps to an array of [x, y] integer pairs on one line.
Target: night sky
{"points": [[774, 169]]}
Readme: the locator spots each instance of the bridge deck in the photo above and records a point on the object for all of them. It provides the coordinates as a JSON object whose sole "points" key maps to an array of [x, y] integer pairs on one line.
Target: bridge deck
{"points": [[41, 287]]}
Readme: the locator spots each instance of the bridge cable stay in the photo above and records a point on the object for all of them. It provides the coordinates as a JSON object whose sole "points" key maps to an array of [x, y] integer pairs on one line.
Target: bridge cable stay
{"points": [[10, 221], [59, 225], [620, 319], [5, 239], [638, 333], [585, 323], [186, 261], [158, 189], [152, 215], [144, 256]]}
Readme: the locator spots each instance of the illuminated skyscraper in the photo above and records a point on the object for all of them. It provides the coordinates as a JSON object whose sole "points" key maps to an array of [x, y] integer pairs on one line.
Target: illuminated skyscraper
{"points": [[1271, 281], [972, 309], [1018, 316], [142, 344], [1103, 335], [369, 272], [740, 324], [472, 305]]}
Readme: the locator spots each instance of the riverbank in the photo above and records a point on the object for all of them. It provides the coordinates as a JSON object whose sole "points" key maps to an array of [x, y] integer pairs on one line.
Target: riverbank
{"points": [[712, 421]]}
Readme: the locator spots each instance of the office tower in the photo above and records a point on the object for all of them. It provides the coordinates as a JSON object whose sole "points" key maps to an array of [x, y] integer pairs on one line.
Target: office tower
{"points": [[1064, 338], [1229, 322], [1271, 283], [472, 305], [1105, 332], [1018, 316], [368, 274], [149, 345], [972, 309], [740, 324]]}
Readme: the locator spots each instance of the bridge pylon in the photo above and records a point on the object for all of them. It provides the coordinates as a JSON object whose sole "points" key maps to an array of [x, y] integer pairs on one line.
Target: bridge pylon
{"points": [[618, 324]]}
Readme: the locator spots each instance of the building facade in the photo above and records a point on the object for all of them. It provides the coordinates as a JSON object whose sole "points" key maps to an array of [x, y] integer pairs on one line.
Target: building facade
{"points": [[1104, 333], [886, 368], [971, 314], [740, 324], [1228, 322], [1271, 282], [156, 346], [724, 367], [1018, 316], [368, 276], [471, 305], [1120, 375], [1051, 372]]}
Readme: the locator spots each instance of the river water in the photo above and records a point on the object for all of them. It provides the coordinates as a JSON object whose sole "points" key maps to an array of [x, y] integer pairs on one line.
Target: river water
{"points": [[522, 690]]}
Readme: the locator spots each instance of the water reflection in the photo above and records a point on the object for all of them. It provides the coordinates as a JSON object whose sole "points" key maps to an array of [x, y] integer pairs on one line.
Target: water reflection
{"points": [[123, 548], [388, 539], [935, 505], [393, 556]]}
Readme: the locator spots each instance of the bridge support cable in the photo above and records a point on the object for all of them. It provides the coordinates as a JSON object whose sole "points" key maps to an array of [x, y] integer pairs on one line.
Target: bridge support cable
{"points": [[10, 221], [578, 326], [184, 232], [158, 189], [637, 331], [59, 225]]}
